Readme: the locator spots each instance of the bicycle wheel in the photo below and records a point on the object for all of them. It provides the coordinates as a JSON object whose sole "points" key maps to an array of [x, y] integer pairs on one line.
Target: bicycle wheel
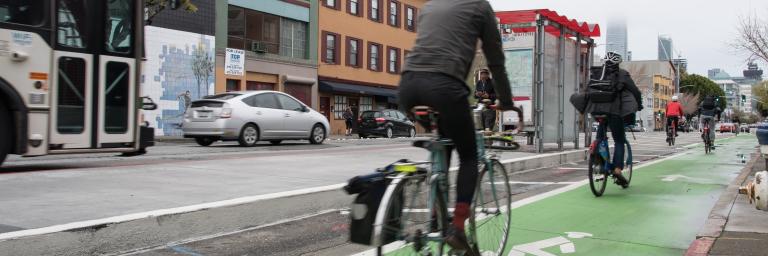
{"points": [[598, 178], [490, 218], [628, 163], [410, 220]]}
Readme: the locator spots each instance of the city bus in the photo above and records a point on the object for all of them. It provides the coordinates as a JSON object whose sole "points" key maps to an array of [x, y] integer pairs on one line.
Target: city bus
{"points": [[69, 77]]}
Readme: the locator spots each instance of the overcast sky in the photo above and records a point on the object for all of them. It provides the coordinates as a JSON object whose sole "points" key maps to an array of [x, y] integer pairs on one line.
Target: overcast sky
{"points": [[701, 29]]}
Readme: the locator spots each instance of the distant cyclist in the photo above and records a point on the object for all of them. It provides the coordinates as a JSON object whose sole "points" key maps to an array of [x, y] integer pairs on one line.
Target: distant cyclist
{"points": [[708, 110], [674, 112], [434, 76]]}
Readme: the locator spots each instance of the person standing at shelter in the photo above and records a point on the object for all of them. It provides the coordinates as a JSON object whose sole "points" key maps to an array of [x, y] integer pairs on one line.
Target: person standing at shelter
{"points": [[484, 91]]}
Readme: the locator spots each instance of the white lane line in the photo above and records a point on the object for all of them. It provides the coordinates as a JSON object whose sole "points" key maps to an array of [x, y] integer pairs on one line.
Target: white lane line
{"points": [[539, 182], [398, 245], [646, 155], [192, 240], [178, 210]]}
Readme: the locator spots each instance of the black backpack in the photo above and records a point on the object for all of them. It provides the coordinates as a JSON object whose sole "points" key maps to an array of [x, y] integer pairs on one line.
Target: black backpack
{"points": [[603, 90], [708, 103]]}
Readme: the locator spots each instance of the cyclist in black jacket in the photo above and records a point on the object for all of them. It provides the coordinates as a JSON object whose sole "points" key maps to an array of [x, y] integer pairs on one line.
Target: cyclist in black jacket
{"points": [[434, 76]]}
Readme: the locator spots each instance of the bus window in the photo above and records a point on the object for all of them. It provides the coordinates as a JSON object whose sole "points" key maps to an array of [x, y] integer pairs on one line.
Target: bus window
{"points": [[116, 98], [119, 26], [71, 96], [27, 12], [71, 23]]}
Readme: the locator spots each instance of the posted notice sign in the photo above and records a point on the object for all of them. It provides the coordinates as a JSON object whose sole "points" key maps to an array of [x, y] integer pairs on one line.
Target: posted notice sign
{"points": [[234, 62]]}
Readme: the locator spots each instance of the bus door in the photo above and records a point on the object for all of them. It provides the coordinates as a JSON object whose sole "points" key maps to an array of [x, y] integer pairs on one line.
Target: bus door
{"points": [[94, 72]]}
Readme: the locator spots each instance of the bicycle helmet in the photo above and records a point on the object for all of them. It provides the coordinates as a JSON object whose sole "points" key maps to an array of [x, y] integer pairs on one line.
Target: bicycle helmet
{"points": [[674, 98], [612, 58]]}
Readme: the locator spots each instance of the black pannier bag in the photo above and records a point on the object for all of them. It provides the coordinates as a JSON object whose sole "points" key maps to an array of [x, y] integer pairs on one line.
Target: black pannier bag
{"points": [[370, 190], [601, 90]]}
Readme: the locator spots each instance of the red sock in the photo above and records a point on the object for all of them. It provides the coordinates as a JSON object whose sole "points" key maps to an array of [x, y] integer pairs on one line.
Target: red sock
{"points": [[460, 214]]}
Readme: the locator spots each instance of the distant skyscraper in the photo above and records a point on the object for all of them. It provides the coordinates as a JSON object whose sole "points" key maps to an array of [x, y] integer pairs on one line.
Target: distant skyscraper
{"points": [[753, 72], [665, 48], [617, 36]]}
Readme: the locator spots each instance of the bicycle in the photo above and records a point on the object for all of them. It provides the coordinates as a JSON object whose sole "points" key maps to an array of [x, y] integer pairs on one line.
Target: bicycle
{"points": [[671, 133], [600, 164], [707, 139], [420, 218]]}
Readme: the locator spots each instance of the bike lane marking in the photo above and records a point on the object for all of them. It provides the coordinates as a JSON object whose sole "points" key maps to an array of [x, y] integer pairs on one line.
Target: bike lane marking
{"points": [[652, 217], [399, 245]]}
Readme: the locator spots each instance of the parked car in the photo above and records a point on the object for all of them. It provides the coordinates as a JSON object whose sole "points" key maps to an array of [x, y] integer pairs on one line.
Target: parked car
{"points": [[727, 127], [252, 116], [387, 123], [744, 128]]}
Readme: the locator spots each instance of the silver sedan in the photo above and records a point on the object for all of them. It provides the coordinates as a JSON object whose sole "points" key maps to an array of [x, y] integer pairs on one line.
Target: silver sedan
{"points": [[249, 117]]}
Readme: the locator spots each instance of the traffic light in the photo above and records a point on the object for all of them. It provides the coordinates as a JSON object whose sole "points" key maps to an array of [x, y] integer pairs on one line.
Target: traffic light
{"points": [[743, 99]]}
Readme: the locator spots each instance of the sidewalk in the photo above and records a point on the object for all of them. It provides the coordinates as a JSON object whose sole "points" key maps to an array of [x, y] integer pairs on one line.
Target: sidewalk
{"points": [[744, 230]]}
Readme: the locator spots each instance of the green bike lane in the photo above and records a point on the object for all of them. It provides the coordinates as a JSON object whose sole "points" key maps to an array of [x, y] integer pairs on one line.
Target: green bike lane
{"points": [[660, 214]]}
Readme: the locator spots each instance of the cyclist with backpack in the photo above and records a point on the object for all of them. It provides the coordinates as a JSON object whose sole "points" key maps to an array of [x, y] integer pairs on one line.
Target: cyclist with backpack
{"points": [[708, 110], [673, 113], [613, 93]]}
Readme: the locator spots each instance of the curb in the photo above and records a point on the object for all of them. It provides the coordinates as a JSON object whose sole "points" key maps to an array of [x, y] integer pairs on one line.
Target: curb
{"points": [[135, 232], [718, 216]]}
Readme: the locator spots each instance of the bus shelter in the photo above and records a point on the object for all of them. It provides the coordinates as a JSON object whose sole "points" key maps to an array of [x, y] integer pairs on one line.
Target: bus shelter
{"points": [[548, 57]]}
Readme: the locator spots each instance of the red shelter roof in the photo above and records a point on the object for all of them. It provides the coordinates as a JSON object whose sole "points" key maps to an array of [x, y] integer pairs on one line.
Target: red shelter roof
{"points": [[528, 16]]}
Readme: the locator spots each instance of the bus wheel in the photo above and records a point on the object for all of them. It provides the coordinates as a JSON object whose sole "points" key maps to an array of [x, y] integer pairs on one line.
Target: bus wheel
{"points": [[5, 132]]}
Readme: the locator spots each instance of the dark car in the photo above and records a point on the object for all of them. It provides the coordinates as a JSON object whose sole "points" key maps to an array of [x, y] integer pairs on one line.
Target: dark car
{"points": [[386, 123]]}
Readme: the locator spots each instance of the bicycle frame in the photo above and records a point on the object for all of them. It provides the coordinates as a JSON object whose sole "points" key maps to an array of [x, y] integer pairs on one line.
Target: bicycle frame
{"points": [[600, 146]]}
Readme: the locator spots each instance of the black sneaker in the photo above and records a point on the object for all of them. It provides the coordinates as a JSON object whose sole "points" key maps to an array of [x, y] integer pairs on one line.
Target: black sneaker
{"points": [[621, 181], [457, 239]]}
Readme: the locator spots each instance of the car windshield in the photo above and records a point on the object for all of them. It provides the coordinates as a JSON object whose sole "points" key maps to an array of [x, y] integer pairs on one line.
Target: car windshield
{"points": [[370, 114], [223, 96]]}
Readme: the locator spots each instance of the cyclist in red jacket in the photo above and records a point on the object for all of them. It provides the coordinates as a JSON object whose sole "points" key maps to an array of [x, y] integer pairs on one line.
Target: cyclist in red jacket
{"points": [[674, 112]]}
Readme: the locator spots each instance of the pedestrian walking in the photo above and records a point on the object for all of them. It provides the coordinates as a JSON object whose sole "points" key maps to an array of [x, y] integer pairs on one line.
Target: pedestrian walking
{"points": [[348, 116]]}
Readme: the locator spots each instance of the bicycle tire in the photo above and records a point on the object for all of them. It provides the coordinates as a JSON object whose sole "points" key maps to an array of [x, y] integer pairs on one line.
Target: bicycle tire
{"points": [[490, 219], [415, 219], [628, 163], [595, 174]]}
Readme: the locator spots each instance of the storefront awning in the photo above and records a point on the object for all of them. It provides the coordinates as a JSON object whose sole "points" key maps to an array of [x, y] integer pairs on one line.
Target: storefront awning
{"points": [[530, 16], [326, 86]]}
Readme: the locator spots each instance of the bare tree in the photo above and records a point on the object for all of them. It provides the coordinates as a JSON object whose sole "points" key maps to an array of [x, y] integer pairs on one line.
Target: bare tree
{"points": [[690, 103], [202, 67], [753, 37]]}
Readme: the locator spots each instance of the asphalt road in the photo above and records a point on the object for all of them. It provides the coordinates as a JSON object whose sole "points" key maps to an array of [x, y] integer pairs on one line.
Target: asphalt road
{"points": [[325, 232]]}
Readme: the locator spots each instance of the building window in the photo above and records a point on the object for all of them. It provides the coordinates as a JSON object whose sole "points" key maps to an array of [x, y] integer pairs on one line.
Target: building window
{"points": [[393, 60], [339, 106], [233, 85], [354, 7], [394, 13], [331, 47], [374, 10], [253, 30], [354, 58], [366, 103], [333, 4], [374, 56], [293, 39], [258, 86], [410, 18]]}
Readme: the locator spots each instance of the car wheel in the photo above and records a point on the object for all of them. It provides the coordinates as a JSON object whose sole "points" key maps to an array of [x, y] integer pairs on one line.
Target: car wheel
{"points": [[412, 132], [276, 142], [388, 133], [5, 132], [362, 136], [204, 141], [318, 134], [249, 135]]}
